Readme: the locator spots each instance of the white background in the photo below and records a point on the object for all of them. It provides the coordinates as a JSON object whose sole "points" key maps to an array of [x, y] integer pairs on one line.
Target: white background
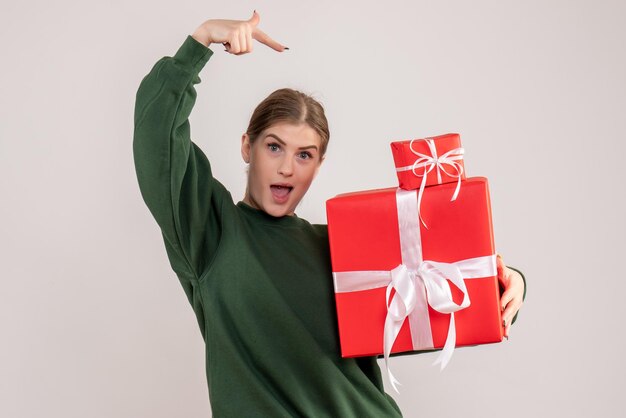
{"points": [[93, 321]]}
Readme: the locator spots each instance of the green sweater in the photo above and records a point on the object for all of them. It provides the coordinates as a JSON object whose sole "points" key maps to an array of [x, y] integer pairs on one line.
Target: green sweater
{"points": [[261, 287]]}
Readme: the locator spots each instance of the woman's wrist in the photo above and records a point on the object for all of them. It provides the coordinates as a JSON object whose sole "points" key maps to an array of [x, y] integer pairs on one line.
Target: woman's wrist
{"points": [[202, 36]]}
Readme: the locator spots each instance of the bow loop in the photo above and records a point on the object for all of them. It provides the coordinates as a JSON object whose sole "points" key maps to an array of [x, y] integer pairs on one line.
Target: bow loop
{"points": [[405, 297], [438, 292]]}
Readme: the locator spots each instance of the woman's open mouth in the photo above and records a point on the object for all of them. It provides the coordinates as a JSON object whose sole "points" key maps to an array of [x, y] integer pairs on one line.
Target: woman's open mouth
{"points": [[280, 192]]}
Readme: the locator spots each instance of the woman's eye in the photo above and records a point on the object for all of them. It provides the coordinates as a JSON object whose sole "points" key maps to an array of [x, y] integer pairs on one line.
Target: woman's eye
{"points": [[273, 147], [305, 155]]}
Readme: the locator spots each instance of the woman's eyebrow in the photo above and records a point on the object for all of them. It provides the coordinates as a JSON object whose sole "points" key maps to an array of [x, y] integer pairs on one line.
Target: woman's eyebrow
{"points": [[284, 143]]}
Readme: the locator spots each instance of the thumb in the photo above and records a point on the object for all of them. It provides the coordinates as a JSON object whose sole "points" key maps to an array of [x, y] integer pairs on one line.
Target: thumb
{"points": [[254, 20], [500, 266]]}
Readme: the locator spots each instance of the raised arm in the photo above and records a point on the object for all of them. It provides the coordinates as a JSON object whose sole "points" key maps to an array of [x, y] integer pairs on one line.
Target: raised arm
{"points": [[174, 175]]}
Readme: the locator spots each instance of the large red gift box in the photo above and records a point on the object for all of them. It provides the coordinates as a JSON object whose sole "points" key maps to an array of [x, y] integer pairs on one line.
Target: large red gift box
{"points": [[434, 160], [374, 232]]}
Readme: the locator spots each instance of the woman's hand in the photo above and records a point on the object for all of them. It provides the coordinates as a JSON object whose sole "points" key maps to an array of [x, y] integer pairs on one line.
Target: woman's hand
{"points": [[512, 298], [235, 35]]}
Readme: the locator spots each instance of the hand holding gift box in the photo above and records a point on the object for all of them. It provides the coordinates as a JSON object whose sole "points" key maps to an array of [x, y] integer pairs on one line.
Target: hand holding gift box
{"points": [[402, 287], [373, 233], [513, 286]]}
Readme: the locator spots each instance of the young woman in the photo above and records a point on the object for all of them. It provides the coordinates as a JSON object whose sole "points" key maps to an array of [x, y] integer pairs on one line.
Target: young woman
{"points": [[257, 276]]}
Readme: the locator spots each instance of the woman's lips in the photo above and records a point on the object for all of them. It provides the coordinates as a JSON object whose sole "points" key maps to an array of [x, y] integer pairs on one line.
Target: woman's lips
{"points": [[280, 193]]}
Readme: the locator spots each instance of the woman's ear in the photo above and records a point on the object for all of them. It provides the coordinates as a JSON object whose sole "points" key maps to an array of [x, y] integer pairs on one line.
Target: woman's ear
{"points": [[245, 148]]}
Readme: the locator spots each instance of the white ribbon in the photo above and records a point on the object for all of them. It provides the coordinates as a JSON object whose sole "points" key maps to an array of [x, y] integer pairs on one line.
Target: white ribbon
{"points": [[429, 162], [417, 283]]}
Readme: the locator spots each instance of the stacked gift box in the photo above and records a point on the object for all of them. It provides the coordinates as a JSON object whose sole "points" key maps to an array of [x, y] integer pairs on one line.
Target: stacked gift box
{"points": [[414, 266]]}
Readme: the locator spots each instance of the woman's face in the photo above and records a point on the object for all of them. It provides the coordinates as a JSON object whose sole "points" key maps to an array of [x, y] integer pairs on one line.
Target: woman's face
{"points": [[283, 162]]}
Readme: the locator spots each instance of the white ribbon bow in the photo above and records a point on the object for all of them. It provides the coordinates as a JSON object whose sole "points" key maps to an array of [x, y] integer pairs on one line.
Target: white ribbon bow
{"points": [[416, 289], [433, 275], [429, 162]]}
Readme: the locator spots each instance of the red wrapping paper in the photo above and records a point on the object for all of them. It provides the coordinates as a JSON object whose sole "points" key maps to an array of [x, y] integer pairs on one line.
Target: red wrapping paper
{"points": [[363, 234], [403, 156]]}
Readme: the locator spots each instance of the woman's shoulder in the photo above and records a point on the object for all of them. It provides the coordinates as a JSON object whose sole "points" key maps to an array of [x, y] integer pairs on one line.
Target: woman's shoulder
{"points": [[320, 228], [321, 232]]}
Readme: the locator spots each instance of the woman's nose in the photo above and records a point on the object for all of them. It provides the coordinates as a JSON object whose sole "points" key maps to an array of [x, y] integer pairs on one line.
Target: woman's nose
{"points": [[286, 167]]}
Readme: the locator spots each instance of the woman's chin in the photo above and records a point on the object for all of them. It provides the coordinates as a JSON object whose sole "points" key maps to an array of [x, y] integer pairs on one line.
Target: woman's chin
{"points": [[272, 207], [278, 212]]}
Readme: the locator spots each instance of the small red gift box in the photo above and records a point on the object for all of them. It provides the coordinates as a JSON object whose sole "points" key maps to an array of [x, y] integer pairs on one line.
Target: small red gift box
{"points": [[392, 276], [429, 161]]}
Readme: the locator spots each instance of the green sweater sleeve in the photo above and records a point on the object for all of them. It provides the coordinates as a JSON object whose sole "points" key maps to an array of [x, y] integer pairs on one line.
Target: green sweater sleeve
{"points": [[174, 175]]}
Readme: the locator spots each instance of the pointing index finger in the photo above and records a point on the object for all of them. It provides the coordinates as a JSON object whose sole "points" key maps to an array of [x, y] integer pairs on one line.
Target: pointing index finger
{"points": [[262, 37]]}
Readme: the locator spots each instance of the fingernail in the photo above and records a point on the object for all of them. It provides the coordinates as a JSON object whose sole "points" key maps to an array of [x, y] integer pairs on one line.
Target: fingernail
{"points": [[504, 322], [507, 337], [285, 47]]}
